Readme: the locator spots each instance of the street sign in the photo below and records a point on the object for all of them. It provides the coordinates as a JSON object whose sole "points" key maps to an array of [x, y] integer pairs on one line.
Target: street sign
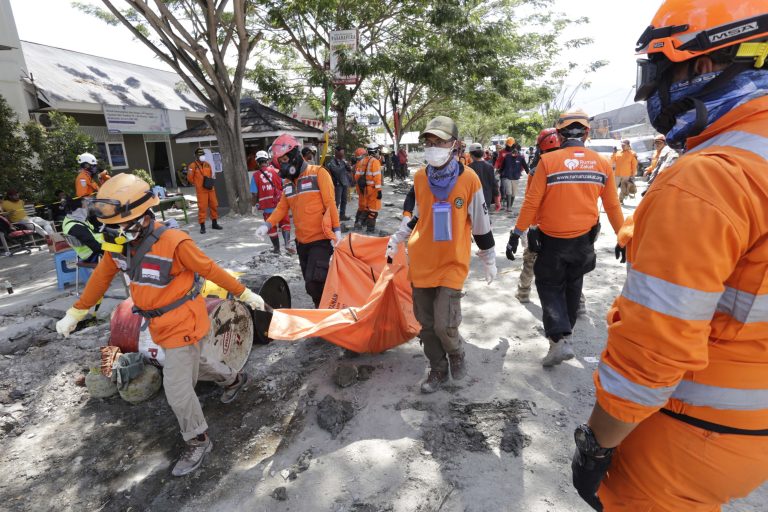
{"points": [[342, 40]]}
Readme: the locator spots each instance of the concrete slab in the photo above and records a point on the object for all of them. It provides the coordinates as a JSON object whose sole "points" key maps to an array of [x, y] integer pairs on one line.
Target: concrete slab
{"points": [[16, 330]]}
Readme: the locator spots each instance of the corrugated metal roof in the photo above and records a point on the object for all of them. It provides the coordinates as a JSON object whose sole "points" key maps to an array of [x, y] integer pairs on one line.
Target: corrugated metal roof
{"points": [[257, 120], [65, 75]]}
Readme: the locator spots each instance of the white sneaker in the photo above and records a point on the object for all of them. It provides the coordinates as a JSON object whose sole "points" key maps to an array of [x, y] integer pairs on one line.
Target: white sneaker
{"points": [[558, 352], [192, 456]]}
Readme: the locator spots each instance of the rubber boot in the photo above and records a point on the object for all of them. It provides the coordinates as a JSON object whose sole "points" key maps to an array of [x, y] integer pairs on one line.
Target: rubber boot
{"points": [[370, 225], [202, 228], [359, 216], [275, 245], [215, 224], [286, 238]]}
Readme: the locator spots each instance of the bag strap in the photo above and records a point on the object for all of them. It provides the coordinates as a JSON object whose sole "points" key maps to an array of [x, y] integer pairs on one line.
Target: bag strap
{"points": [[149, 240]]}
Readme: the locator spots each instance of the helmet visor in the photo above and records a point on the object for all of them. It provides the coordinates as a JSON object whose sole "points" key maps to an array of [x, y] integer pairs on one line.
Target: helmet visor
{"points": [[649, 73], [106, 208]]}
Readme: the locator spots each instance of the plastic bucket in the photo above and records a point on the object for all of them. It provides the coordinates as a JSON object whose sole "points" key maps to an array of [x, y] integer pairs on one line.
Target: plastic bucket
{"points": [[276, 294], [229, 340]]}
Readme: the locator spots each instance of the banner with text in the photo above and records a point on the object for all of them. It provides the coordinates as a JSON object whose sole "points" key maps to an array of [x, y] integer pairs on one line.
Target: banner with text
{"points": [[342, 41], [121, 119]]}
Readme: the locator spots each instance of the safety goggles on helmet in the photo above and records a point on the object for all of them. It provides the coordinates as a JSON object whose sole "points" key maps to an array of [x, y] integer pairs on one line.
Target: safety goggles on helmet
{"points": [[112, 209]]}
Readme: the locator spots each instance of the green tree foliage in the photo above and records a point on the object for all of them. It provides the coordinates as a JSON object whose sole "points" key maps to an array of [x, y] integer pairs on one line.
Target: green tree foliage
{"points": [[56, 148], [208, 43], [15, 163]]}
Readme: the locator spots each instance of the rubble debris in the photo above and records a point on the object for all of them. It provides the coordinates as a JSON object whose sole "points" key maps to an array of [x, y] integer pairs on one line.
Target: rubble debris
{"points": [[143, 387], [364, 371], [513, 439], [345, 375], [280, 494], [98, 385], [333, 414]]}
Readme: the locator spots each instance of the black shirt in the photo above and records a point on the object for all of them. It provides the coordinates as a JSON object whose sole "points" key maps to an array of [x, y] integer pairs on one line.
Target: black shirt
{"points": [[485, 172]]}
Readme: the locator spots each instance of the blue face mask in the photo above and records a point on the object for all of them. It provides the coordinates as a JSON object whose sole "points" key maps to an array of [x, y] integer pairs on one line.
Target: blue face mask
{"points": [[743, 87]]}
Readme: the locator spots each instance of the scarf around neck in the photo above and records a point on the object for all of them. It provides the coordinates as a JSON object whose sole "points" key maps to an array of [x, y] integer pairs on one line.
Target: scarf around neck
{"points": [[441, 181]]}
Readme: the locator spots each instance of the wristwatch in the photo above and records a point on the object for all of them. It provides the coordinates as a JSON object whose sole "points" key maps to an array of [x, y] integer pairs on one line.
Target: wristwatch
{"points": [[587, 444]]}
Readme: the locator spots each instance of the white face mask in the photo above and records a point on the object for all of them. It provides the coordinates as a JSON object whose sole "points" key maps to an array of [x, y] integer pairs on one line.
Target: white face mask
{"points": [[438, 157], [202, 158]]}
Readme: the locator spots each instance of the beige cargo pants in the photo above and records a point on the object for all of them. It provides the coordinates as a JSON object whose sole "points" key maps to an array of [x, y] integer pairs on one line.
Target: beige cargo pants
{"points": [[438, 310], [184, 366]]}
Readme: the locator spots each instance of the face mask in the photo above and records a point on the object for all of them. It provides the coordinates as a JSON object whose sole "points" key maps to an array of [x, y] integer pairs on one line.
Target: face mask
{"points": [[437, 157], [202, 158]]}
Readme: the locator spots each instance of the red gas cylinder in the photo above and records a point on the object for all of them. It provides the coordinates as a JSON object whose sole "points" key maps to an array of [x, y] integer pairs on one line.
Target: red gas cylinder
{"points": [[229, 340]]}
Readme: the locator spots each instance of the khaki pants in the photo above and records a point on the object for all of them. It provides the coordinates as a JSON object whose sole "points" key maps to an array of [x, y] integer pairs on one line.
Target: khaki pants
{"points": [[184, 366], [526, 274], [438, 310], [623, 182]]}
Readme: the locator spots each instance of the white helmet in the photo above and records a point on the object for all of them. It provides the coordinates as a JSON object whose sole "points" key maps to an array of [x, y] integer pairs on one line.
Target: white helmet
{"points": [[313, 149], [262, 155], [86, 158], [372, 148]]}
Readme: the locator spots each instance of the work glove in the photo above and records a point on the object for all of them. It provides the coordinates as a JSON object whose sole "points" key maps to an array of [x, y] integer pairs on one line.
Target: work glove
{"points": [[621, 253], [524, 240], [337, 232], [514, 239], [262, 230], [497, 202], [252, 300], [66, 325], [402, 234], [488, 257], [172, 224], [378, 195], [588, 472]]}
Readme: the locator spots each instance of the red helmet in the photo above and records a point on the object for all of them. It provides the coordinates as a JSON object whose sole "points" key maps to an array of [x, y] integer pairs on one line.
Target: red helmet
{"points": [[547, 140], [283, 145]]}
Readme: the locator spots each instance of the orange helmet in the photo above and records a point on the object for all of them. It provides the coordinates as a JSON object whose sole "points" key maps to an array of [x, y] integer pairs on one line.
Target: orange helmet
{"points": [[575, 116], [548, 140], [360, 152], [685, 29], [283, 145], [510, 141], [123, 198]]}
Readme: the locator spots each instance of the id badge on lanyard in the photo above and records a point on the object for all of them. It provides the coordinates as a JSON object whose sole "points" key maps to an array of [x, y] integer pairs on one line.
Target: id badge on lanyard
{"points": [[441, 221]]}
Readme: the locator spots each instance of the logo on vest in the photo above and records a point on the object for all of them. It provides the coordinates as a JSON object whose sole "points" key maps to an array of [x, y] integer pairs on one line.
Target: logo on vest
{"points": [[571, 163], [458, 202], [150, 271]]}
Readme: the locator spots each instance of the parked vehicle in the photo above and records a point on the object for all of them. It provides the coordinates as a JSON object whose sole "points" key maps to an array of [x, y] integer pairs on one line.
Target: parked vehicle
{"points": [[643, 146]]}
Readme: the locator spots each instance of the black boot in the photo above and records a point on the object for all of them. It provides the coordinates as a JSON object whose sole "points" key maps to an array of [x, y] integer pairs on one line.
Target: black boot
{"points": [[215, 224], [275, 245], [202, 228], [370, 222]]}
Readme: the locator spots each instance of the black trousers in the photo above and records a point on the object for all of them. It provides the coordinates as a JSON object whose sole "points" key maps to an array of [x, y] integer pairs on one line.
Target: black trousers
{"points": [[314, 259], [559, 271]]}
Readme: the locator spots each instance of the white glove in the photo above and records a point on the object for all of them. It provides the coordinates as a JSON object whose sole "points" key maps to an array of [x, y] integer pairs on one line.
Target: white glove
{"points": [[338, 237], [255, 209], [172, 224], [524, 239], [262, 230], [402, 234], [253, 300], [66, 325], [488, 257]]}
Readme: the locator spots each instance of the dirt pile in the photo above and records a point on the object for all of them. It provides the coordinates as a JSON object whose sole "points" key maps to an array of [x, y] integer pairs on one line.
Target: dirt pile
{"points": [[333, 414]]}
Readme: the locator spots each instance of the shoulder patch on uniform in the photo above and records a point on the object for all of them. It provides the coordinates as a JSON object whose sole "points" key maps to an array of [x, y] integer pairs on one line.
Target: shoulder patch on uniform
{"points": [[458, 202]]}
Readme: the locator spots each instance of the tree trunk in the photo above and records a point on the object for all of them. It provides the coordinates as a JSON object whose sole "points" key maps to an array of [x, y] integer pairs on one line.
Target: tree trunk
{"points": [[232, 152], [341, 124]]}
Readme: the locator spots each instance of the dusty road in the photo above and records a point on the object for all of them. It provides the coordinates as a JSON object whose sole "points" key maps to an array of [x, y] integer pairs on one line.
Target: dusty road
{"points": [[501, 440]]}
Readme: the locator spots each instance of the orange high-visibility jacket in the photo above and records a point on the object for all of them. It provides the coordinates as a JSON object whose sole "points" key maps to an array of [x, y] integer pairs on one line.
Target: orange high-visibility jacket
{"points": [[167, 274], [446, 263], [371, 167], [85, 185], [308, 198], [562, 194], [195, 173], [626, 163], [689, 331]]}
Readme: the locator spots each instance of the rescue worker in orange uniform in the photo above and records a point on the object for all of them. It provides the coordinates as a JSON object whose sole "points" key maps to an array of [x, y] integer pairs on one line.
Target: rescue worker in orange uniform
{"points": [[562, 198], [681, 419], [449, 212], [625, 165], [309, 195], [368, 184], [162, 265], [86, 183], [200, 174]]}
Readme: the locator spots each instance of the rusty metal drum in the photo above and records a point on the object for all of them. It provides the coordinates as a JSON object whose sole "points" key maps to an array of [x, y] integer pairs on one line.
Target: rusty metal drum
{"points": [[276, 294]]}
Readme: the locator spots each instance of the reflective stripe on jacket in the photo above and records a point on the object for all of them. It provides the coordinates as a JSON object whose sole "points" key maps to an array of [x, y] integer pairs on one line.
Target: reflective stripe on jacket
{"points": [[371, 167], [689, 331], [308, 198], [562, 194]]}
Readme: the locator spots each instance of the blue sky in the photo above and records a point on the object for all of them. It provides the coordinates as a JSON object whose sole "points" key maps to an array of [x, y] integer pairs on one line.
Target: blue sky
{"points": [[615, 26]]}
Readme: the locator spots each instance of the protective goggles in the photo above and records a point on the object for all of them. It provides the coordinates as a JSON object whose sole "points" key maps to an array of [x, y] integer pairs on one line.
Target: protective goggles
{"points": [[649, 73], [110, 208]]}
